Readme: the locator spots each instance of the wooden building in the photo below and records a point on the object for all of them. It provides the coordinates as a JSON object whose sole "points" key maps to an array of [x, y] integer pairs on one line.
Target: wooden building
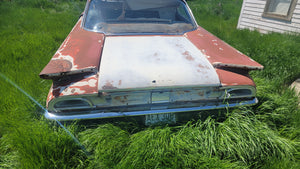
{"points": [[270, 16]]}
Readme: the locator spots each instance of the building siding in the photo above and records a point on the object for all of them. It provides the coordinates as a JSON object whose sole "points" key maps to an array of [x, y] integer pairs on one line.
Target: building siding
{"points": [[251, 18]]}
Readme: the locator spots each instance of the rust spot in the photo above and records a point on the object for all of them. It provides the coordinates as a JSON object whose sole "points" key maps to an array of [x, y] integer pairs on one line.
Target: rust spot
{"points": [[180, 92], [122, 99], [156, 57], [202, 67], [81, 48], [56, 92], [232, 55], [201, 93], [73, 90], [62, 65], [105, 94], [188, 56], [108, 85], [120, 82], [198, 70], [179, 45]]}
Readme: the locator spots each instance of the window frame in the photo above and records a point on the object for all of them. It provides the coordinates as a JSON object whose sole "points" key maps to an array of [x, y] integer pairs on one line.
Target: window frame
{"points": [[187, 9], [287, 17]]}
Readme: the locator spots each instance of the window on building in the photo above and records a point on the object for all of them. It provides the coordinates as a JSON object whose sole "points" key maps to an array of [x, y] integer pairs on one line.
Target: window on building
{"points": [[280, 9]]}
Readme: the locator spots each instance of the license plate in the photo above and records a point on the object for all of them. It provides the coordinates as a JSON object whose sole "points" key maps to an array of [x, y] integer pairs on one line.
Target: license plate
{"points": [[165, 118]]}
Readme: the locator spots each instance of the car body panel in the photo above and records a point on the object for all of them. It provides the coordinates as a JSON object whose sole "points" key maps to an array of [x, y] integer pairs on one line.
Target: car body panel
{"points": [[219, 53], [80, 85], [135, 62], [234, 77], [79, 53]]}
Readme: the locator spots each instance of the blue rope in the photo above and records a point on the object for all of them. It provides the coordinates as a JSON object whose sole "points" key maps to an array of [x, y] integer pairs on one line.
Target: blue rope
{"points": [[45, 111]]}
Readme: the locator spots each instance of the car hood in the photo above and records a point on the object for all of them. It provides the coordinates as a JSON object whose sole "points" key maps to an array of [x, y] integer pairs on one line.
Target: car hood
{"points": [[139, 62]]}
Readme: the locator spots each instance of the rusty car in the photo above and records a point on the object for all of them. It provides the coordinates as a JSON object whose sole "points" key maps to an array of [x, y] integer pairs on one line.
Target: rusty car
{"points": [[145, 58]]}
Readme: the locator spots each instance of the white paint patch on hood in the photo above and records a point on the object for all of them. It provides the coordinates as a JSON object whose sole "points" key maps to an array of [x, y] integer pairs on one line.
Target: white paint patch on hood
{"points": [[153, 61]]}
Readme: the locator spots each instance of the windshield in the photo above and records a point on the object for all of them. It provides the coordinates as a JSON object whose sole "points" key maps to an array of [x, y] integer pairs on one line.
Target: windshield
{"points": [[138, 16]]}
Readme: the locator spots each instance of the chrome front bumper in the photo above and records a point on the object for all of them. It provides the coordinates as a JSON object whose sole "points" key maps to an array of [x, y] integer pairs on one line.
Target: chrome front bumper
{"points": [[97, 114]]}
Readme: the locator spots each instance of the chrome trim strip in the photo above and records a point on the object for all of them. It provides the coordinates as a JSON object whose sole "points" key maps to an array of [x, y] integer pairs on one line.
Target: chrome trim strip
{"points": [[100, 115]]}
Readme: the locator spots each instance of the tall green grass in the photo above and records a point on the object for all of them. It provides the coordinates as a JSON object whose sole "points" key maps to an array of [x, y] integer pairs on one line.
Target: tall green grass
{"points": [[238, 142], [266, 135], [38, 145]]}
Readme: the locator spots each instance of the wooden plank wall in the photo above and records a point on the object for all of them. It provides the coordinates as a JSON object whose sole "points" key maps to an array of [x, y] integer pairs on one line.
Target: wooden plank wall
{"points": [[251, 18]]}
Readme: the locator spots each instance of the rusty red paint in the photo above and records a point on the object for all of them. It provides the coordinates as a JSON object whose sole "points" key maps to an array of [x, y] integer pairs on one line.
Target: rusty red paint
{"points": [[83, 85], [63, 65], [234, 78], [80, 51], [220, 53]]}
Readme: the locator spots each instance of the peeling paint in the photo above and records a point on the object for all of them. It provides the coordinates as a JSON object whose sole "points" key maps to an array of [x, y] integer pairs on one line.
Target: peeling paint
{"points": [[72, 91], [68, 58], [153, 61], [82, 49], [162, 69], [219, 51], [109, 85], [85, 85]]}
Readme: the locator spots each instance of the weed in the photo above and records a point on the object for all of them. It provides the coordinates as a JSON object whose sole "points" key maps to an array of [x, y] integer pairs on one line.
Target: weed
{"points": [[263, 136]]}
